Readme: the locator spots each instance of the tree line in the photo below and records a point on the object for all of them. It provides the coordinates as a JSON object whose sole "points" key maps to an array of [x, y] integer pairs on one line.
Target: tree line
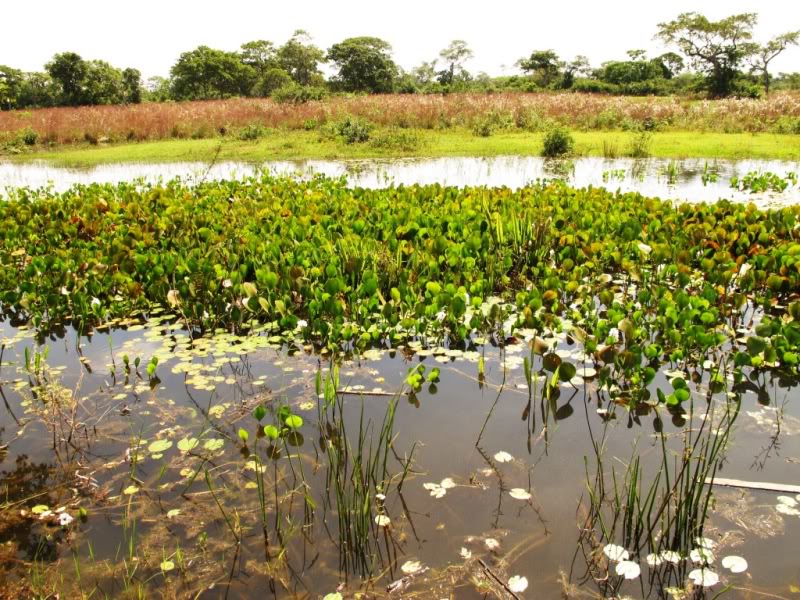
{"points": [[716, 58]]}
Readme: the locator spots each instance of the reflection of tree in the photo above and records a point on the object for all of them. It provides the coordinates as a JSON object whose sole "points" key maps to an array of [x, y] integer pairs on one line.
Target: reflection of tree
{"points": [[27, 480]]}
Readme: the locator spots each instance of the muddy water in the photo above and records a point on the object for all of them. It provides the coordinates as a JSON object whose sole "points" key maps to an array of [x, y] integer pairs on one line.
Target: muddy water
{"points": [[691, 180], [96, 454]]}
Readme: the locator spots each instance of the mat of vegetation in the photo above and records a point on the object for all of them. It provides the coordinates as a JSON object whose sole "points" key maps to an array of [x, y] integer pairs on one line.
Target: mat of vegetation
{"points": [[352, 267]]}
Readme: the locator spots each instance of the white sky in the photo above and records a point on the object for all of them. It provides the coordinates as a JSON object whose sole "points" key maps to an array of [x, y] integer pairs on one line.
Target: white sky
{"points": [[150, 34]]}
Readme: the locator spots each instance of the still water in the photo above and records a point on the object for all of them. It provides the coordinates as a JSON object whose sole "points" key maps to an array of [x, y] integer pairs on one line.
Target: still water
{"points": [[691, 180]]}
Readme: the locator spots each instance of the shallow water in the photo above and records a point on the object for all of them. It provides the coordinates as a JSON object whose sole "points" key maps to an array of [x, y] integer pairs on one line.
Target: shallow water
{"points": [[649, 177], [52, 449]]}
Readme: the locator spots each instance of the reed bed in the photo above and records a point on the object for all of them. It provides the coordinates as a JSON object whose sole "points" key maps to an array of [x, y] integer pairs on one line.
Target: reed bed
{"points": [[779, 113]]}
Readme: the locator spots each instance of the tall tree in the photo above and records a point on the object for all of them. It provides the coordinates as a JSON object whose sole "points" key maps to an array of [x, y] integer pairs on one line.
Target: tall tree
{"points": [[260, 55], [301, 59], [131, 86], [543, 65], [69, 71], [205, 73], [716, 48], [365, 65], [765, 54], [454, 56], [10, 83]]}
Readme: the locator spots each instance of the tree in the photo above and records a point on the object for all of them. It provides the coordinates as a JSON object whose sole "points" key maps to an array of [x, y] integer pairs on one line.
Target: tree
{"points": [[364, 64], [69, 70], [260, 55], [300, 58], [455, 55], [543, 65], [671, 63], [205, 73], [273, 79], [131, 86], [578, 66], [717, 48], [764, 55], [158, 89], [425, 73], [102, 84], [10, 82], [38, 90]]}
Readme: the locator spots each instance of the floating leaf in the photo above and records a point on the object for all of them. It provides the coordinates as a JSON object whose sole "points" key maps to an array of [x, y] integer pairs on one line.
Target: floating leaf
{"points": [[519, 494], [159, 446], [704, 577], [627, 569], [736, 564], [187, 444], [382, 520], [410, 567], [130, 490], [518, 584], [173, 513], [167, 565], [503, 457], [615, 552], [293, 422]]}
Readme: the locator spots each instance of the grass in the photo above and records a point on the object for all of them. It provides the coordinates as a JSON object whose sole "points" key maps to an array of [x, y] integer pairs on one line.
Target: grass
{"points": [[305, 145]]}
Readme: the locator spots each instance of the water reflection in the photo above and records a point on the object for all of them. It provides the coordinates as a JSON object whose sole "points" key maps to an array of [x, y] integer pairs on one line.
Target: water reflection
{"points": [[674, 179]]}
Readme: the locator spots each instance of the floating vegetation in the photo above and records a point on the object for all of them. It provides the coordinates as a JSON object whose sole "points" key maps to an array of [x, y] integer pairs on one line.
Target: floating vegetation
{"points": [[331, 392], [760, 182]]}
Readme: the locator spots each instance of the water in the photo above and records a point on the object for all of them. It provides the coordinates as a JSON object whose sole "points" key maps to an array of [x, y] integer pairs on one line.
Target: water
{"points": [[208, 390], [650, 177]]}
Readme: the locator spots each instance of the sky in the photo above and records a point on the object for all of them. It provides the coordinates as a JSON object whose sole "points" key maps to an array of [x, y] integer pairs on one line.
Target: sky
{"points": [[151, 34]]}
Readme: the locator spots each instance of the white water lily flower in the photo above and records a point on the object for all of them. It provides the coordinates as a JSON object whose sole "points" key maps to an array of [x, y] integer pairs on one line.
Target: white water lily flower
{"points": [[627, 569], [615, 553], [518, 584], [654, 559], [701, 555], [466, 554], [411, 566], [503, 457], [64, 519], [382, 520], [704, 577], [736, 564], [491, 543], [519, 494], [671, 556]]}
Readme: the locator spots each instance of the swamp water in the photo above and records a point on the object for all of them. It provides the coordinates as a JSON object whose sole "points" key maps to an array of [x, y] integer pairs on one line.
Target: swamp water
{"points": [[122, 480], [694, 180]]}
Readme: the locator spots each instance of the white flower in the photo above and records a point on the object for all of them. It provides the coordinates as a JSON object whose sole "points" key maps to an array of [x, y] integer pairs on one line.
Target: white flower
{"points": [[382, 520], [227, 283], [466, 554], [440, 315], [704, 577], [615, 553], [448, 483], [671, 556], [435, 489], [302, 324], [491, 543], [380, 496], [627, 569], [95, 301], [411, 566], [64, 519]]}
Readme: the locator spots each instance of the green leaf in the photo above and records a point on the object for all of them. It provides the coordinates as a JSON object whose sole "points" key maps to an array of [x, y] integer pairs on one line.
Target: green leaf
{"points": [[293, 422], [243, 435]]}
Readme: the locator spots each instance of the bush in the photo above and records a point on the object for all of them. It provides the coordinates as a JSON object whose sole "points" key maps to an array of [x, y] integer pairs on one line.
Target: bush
{"points": [[640, 145], [298, 94], [28, 136], [252, 132], [396, 138], [353, 130], [593, 86], [558, 142]]}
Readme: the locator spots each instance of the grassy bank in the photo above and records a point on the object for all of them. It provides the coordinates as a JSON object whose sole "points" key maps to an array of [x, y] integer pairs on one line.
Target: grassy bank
{"points": [[300, 145]]}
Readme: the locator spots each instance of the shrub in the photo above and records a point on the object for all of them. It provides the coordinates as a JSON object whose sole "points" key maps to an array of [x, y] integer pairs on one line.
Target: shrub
{"points": [[252, 132], [298, 94], [353, 130], [640, 145], [483, 127], [396, 138], [558, 142], [28, 136]]}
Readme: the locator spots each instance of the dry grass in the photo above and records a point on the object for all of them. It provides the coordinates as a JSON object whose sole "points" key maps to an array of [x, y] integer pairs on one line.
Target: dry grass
{"points": [[780, 113]]}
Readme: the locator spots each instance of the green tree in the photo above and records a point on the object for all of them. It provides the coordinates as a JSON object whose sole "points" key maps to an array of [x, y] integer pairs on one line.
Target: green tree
{"points": [[205, 73], [543, 65], [454, 56], [68, 70], [274, 79], [301, 59], [261, 55], [364, 64], [38, 90], [10, 83], [102, 84], [765, 54], [131, 86], [717, 48]]}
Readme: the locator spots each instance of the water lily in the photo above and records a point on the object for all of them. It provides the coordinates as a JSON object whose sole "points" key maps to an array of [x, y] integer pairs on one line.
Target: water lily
{"points": [[704, 577], [627, 569], [518, 584], [615, 552], [736, 564]]}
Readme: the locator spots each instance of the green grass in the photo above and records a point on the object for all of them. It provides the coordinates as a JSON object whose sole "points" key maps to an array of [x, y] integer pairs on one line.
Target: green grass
{"points": [[299, 145]]}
